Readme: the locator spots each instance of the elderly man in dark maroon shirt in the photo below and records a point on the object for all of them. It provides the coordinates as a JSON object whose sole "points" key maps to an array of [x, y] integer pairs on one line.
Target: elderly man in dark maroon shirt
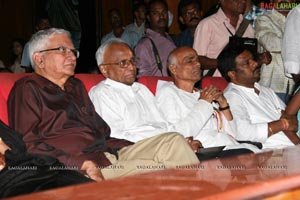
{"points": [[52, 110]]}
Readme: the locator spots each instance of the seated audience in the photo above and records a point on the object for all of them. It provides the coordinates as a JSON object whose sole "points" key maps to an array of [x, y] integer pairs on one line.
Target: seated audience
{"points": [[127, 106], [53, 111], [257, 110], [204, 114], [23, 172], [118, 31]]}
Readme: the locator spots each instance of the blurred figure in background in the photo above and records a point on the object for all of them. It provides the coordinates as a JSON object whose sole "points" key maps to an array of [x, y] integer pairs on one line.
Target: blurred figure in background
{"points": [[42, 23], [138, 26], [16, 56]]}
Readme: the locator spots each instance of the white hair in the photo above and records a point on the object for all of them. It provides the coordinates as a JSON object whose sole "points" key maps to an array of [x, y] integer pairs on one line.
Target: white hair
{"points": [[102, 49], [40, 40]]}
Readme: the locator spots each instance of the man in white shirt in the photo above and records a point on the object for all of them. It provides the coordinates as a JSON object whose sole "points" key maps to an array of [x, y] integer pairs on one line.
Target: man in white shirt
{"points": [[128, 107], [257, 110], [204, 114]]}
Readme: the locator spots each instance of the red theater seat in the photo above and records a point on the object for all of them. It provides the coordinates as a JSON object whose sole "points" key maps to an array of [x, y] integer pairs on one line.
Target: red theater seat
{"points": [[220, 82], [151, 81]]}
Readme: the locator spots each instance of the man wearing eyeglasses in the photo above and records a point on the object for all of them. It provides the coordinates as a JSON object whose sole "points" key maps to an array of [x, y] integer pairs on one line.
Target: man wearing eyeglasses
{"points": [[53, 111], [127, 106]]}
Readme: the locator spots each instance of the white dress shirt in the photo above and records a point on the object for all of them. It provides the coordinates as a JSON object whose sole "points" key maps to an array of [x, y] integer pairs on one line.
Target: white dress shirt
{"points": [[130, 111], [197, 118], [252, 113]]}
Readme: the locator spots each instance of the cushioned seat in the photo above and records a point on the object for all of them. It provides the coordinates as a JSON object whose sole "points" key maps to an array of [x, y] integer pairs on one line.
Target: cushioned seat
{"points": [[151, 81], [220, 82]]}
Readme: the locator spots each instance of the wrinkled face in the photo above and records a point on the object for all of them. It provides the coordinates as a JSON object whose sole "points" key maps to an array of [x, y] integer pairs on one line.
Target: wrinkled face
{"points": [[247, 71], [234, 6], [119, 64], [115, 19], [191, 15], [56, 64], [188, 65], [158, 16]]}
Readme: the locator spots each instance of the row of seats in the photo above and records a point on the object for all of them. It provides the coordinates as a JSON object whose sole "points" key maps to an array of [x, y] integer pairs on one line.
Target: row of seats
{"points": [[89, 80]]}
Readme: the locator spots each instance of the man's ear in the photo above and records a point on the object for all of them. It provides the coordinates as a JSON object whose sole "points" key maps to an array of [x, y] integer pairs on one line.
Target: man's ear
{"points": [[172, 69], [231, 75], [38, 60], [181, 20], [103, 70]]}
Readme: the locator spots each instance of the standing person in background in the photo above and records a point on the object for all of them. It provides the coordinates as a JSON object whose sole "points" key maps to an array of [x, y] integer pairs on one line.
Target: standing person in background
{"points": [[118, 31], [64, 14], [291, 43], [153, 49], [252, 12], [42, 23], [189, 14], [138, 26], [16, 56], [269, 31], [212, 34]]}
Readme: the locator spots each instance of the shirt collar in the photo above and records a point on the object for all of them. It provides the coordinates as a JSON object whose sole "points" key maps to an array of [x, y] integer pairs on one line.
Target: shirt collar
{"points": [[246, 89], [223, 18], [46, 83], [122, 86]]}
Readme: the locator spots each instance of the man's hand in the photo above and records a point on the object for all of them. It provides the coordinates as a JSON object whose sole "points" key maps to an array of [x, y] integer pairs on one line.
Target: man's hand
{"points": [[3, 148], [92, 171], [194, 144], [292, 121], [210, 93], [264, 58]]}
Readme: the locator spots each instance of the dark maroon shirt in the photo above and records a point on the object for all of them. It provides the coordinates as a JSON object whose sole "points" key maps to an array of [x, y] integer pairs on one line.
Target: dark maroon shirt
{"points": [[60, 123]]}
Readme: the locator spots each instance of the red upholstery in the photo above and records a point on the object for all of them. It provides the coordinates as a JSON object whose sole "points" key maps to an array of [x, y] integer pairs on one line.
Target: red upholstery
{"points": [[151, 81], [8, 80], [220, 82], [89, 80]]}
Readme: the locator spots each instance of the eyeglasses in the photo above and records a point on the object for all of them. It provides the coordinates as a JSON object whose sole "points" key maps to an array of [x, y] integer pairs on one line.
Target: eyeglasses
{"points": [[123, 63], [64, 50]]}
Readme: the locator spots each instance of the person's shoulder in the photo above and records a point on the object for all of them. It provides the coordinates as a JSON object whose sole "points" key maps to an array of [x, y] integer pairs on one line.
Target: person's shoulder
{"points": [[100, 88], [26, 80], [165, 87], [232, 90]]}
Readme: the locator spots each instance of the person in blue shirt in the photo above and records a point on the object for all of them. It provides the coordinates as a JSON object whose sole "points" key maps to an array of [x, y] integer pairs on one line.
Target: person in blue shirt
{"points": [[190, 14]]}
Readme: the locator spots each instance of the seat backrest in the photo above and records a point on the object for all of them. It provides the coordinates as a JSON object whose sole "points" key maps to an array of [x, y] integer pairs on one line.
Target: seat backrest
{"points": [[89, 80], [8, 80], [220, 82], [151, 81]]}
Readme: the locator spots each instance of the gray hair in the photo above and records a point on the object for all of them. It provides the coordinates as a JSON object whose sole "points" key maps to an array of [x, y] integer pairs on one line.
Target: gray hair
{"points": [[102, 49], [172, 60], [40, 40]]}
